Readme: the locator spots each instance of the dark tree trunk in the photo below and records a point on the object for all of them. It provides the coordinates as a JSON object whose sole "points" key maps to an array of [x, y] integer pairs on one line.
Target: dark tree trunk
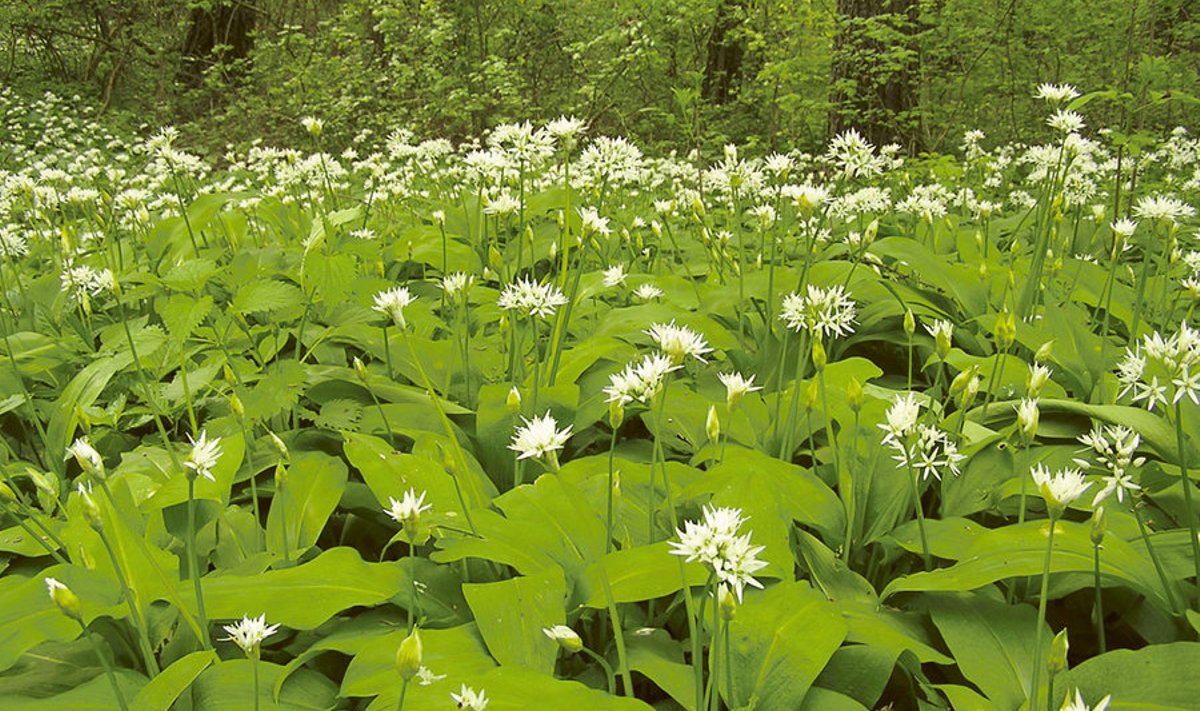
{"points": [[874, 82], [218, 36], [724, 54]]}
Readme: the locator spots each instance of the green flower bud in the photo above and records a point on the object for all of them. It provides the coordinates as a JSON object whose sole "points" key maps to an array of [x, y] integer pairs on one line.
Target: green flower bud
{"points": [[616, 414], [1099, 525], [1058, 653], [1005, 331], [712, 425], [808, 398], [91, 512], [65, 600], [565, 637], [727, 602], [408, 656], [910, 322], [513, 401], [855, 397], [819, 357]]}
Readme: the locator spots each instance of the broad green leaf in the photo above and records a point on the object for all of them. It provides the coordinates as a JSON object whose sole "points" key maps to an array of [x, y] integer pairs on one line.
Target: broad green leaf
{"points": [[1160, 677], [819, 699], [639, 573], [993, 644], [511, 615], [94, 695], [858, 671], [781, 640], [772, 494], [545, 524], [162, 691], [660, 659], [302, 505], [28, 617], [458, 653], [305, 596], [965, 699], [513, 688], [229, 686], [1020, 550]]}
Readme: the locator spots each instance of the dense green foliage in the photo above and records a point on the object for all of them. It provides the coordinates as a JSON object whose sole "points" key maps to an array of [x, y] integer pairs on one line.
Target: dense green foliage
{"points": [[599, 429], [671, 73]]}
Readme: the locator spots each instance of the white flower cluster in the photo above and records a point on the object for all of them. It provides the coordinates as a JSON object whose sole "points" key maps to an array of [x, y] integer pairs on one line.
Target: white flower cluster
{"points": [[531, 298], [539, 437], [250, 632], [1060, 489], [1114, 446], [640, 381], [716, 543], [1162, 370], [204, 455], [926, 449], [392, 303], [821, 311], [678, 342]]}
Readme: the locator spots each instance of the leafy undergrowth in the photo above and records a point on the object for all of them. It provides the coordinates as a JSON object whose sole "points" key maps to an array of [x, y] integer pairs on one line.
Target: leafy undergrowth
{"points": [[541, 422]]}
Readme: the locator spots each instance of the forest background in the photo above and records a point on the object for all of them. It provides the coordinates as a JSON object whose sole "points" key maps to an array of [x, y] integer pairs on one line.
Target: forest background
{"points": [[672, 74]]}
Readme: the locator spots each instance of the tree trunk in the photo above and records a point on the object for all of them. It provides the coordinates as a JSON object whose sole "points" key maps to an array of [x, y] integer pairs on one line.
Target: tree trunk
{"points": [[218, 36], [724, 53], [873, 84]]}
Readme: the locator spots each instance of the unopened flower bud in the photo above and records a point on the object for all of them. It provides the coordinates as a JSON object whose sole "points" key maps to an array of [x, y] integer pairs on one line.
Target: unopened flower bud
{"points": [[910, 322], [808, 398], [360, 368], [1099, 525], [91, 512], [727, 602], [565, 637], [236, 406], [279, 445], [408, 656], [712, 425], [513, 401], [65, 600], [819, 357], [1058, 653], [87, 456], [1027, 419], [616, 414], [448, 463], [1005, 331], [855, 397], [1043, 352], [281, 476]]}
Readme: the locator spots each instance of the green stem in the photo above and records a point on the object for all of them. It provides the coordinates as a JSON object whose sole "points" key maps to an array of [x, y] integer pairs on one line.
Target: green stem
{"points": [[254, 665], [916, 491], [612, 447], [1187, 487], [1041, 618], [135, 614], [608, 671], [618, 631], [413, 610], [194, 562], [403, 693], [1099, 598], [1163, 580], [108, 669]]}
